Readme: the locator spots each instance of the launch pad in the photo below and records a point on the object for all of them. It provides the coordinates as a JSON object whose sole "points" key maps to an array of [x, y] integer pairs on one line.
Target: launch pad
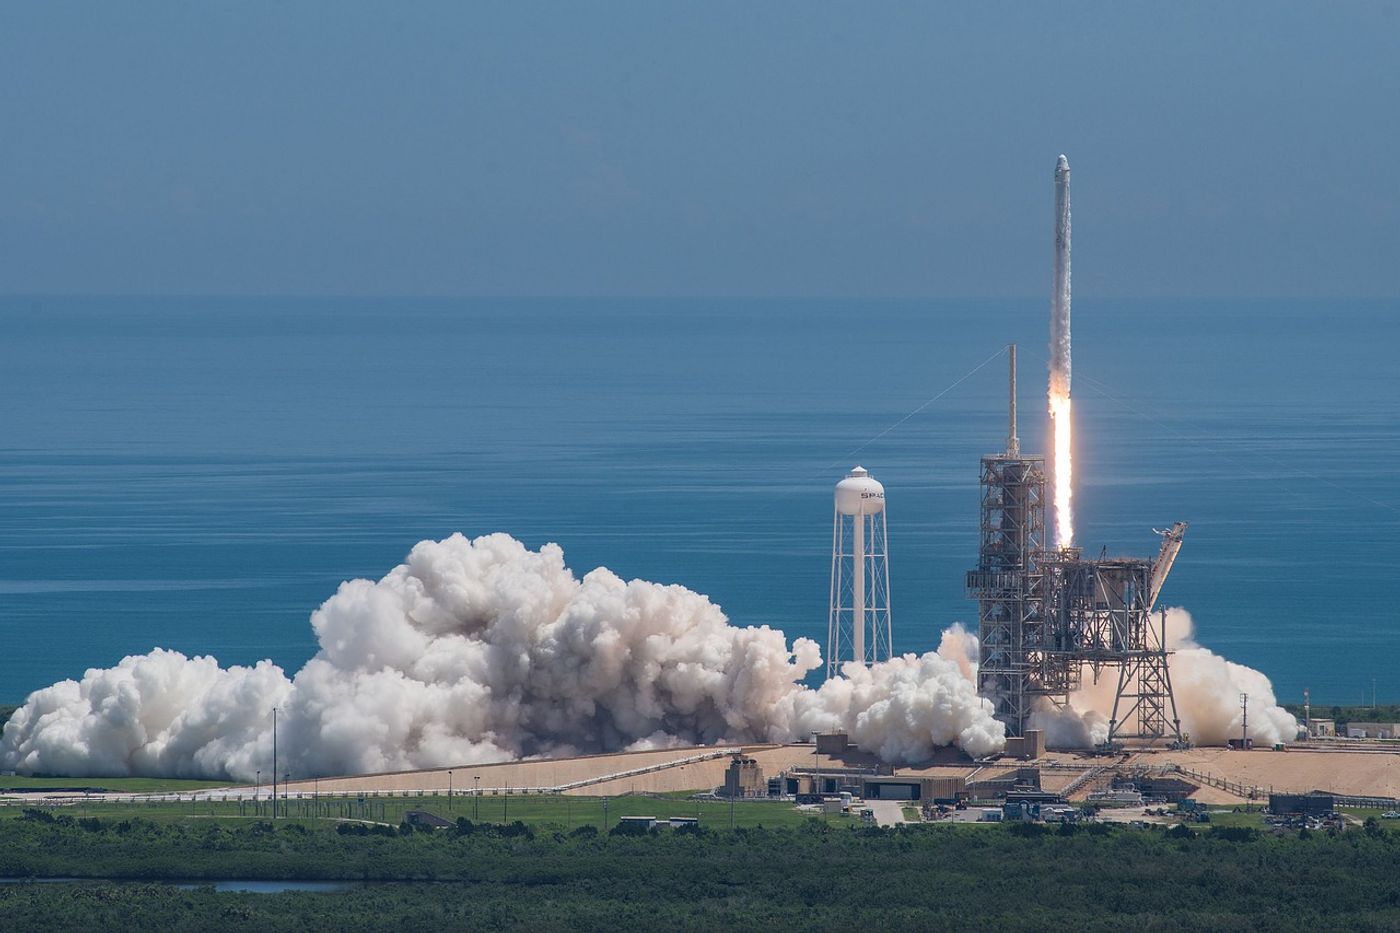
{"points": [[1045, 615]]}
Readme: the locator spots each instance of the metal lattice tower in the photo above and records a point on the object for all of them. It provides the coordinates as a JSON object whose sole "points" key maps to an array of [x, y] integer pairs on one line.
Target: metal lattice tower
{"points": [[1099, 615], [1047, 614], [1007, 581], [1005, 584], [858, 625]]}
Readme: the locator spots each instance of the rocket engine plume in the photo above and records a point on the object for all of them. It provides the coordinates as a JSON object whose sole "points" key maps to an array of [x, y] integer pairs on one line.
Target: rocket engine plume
{"points": [[1062, 465]]}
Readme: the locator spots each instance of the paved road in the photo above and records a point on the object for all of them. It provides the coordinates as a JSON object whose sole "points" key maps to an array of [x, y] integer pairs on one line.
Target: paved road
{"points": [[887, 812]]}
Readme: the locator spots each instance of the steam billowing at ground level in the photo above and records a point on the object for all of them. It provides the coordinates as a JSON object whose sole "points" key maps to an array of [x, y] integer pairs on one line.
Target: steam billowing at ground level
{"points": [[482, 650]]}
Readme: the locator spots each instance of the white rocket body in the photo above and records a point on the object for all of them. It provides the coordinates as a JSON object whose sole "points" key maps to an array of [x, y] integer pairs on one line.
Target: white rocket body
{"points": [[1060, 293]]}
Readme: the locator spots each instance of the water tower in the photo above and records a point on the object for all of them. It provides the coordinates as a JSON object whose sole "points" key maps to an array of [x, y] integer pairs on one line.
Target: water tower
{"points": [[858, 627]]}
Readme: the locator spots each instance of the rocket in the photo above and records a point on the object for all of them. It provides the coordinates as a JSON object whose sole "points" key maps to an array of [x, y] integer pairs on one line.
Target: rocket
{"points": [[1062, 465], [1059, 296]]}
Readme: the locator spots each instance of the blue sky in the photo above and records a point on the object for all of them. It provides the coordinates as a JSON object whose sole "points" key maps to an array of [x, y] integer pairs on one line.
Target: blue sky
{"points": [[654, 148]]}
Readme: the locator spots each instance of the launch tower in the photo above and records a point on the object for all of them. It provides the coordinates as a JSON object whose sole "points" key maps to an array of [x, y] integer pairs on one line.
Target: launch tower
{"points": [[1047, 614], [1006, 583]]}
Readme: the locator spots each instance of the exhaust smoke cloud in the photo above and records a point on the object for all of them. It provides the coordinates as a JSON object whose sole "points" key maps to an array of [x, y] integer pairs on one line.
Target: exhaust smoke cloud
{"points": [[482, 650]]}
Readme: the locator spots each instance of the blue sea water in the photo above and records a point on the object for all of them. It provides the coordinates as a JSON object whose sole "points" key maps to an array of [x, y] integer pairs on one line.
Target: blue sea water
{"points": [[200, 473]]}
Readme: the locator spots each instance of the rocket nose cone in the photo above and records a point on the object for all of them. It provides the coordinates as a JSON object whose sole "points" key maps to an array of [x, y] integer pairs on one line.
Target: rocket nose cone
{"points": [[1062, 165]]}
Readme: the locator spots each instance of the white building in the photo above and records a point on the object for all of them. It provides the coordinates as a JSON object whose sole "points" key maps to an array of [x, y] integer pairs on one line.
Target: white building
{"points": [[1373, 730]]}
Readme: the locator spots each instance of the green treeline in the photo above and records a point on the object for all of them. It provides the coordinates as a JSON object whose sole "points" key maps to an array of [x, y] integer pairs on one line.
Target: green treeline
{"points": [[1385, 712], [1015, 877]]}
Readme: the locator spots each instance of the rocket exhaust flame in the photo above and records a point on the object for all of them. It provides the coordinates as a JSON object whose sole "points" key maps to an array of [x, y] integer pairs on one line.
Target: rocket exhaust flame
{"points": [[1062, 467]]}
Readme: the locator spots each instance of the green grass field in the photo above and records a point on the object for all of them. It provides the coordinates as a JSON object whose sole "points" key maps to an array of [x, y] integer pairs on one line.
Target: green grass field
{"points": [[120, 785], [1231, 818]]}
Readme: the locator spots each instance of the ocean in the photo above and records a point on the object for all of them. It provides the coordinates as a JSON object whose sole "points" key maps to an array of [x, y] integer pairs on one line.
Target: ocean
{"points": [[201, 473]]}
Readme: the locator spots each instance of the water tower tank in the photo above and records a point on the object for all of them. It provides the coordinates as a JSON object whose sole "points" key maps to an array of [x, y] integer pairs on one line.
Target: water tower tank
{"points": [[859, 494]]}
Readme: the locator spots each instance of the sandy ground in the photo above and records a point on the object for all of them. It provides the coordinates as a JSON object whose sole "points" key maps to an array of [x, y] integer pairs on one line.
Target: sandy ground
{"points": [[696, 769], [1300, 769]]}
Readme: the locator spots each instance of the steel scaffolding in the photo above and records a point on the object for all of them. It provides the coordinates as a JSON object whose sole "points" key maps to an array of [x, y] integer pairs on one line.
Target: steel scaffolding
{"points": [[1007, 585], [1099, 615], [1046, 614]]}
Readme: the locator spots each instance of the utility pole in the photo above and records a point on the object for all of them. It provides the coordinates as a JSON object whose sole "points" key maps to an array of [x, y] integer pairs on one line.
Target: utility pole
{"points": [[1373, 693], [476, 799], [274, 762], [1244, 727], [449, 791]]}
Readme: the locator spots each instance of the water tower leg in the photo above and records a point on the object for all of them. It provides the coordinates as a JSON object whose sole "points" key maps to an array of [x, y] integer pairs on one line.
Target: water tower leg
{"points": [[858, 581]]}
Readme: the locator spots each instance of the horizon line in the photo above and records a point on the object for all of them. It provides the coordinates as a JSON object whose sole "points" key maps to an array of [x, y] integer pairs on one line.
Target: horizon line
{"points": [[583, 296]]}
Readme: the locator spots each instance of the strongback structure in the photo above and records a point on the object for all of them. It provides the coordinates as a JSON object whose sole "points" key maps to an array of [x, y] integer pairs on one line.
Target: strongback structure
{"points": [[858, 626], [1047, 614]]}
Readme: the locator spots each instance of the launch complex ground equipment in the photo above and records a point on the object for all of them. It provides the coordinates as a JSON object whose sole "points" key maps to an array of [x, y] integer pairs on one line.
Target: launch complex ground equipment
{"points": [[1047, 614]]}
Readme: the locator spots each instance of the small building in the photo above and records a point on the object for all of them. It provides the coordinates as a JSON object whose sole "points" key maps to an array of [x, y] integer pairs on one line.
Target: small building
{"points": [[680, 822], [1027, 747], [912, 787], [989, 788], [810, 782], [1118, 797], [1034, 805], [1313, 804], [1169, 789], [1322, 728], [1373, 730], [637, 822], [811, 787], [1241, 745], [744, 778]]}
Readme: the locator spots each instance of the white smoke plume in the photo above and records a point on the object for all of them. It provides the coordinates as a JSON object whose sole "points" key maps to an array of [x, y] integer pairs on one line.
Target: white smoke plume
{"points": [[960, 646], [1207, 689], [482, 650]]}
